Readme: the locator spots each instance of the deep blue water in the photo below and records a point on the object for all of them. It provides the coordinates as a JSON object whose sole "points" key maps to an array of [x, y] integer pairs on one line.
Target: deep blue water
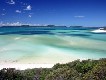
{"points": [[80, 32], [36, 30]]}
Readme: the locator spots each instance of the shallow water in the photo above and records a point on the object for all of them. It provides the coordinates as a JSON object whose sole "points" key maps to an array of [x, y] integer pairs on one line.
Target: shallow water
{"points": [[50, 46]]}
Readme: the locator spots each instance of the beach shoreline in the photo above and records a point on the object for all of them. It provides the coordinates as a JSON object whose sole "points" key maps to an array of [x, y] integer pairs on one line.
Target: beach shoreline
{"points": [[25, 66]]}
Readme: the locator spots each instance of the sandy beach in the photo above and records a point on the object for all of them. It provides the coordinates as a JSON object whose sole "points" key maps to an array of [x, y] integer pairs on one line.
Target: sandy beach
{"points": [[25, 66]]}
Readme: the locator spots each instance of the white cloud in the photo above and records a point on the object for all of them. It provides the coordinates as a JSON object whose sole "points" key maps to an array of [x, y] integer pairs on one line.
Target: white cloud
{"points": [[16, 23], [18, 11], [11, 2], [11, 24], [28, 7], [30, 16], [79, 16]]}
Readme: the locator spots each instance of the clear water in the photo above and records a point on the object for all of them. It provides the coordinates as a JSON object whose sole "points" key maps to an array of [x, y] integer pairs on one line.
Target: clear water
{"points": [[28, 45]]}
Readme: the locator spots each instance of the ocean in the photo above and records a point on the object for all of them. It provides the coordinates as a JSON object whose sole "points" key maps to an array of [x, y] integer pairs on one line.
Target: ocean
{"points": [[28, 45]]}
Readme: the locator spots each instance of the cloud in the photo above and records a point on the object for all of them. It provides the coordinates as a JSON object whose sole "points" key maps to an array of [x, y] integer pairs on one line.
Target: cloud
{"points": [[3, 14], [3, 9], [30, 16], [28, 7], [79, 16], [10, 24], [18, 11], [16, 23], [11, 2]]}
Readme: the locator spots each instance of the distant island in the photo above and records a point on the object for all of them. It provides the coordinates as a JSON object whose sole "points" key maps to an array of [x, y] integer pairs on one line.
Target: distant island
{"points": [[31, 25], [38, 25], [42, 26]]}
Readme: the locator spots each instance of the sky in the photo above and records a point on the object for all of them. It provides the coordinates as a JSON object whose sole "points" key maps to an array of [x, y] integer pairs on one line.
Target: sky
{"points": [[57, 12]]}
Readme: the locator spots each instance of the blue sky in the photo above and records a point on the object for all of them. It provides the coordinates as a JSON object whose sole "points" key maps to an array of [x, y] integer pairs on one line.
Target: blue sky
{"points": [[57, 12]]}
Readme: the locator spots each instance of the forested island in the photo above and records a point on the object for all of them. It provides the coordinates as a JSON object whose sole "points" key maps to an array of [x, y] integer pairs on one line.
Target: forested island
{"points": [[76, 70]]}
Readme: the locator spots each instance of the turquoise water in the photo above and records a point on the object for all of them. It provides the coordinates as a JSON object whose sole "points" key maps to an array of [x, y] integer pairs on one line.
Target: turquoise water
{"points": [[56, 46]]}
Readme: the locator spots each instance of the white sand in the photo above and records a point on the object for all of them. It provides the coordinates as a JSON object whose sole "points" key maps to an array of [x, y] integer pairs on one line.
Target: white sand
{"points": [[25, 66], [46, 60]]}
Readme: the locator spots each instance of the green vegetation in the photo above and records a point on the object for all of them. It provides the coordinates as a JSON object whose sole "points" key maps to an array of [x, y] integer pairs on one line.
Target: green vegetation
{"points": [[76, 70]]}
